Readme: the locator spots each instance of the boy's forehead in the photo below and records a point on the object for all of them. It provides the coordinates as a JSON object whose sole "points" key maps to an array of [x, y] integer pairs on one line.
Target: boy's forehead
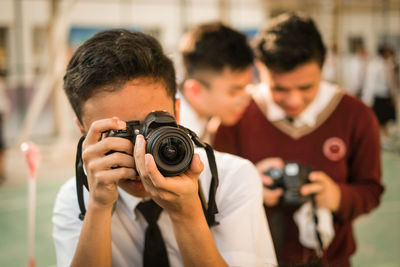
{"points": [[301, 74], [132, 101]]}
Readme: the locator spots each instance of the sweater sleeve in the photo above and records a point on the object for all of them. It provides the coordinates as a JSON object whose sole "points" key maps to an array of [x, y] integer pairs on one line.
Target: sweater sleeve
{"points": [[363, 189]]}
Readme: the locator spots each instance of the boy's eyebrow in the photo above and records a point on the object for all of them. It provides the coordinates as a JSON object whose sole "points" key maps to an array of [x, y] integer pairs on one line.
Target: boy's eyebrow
{"points": [[280, 88], [306, 86]]}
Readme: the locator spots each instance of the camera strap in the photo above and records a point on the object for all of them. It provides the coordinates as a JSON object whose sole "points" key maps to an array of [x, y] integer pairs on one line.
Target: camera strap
{"points": [[320, 249], [209, 209], [81, 179]]}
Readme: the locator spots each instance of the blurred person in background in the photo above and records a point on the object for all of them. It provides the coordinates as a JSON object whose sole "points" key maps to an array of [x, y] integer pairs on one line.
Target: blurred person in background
{"points": [[380, 92], [356, 70], [395, 70], [118, 76], [4, 110], [217, 66], [297, 123], [330, 69]]}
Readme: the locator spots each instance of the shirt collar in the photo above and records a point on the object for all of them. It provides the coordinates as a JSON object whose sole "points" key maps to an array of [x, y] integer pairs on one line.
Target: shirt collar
{"points": [[129, 201], [309, 116], [189, 118]]}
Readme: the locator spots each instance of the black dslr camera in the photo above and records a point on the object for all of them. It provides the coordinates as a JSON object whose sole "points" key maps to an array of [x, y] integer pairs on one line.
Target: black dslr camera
{"points": [[172, 147], [291, 177], [170, 144]]}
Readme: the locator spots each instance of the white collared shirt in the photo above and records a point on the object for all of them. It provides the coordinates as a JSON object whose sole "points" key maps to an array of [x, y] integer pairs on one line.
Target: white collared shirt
{"points": [[309, 116], [377, 81], [242, 236], [189, 118]]}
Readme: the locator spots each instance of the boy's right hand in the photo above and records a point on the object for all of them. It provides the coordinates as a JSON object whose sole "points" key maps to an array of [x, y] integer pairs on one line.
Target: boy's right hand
{"points": [[100, 166], [178, 195], [270, 196]]}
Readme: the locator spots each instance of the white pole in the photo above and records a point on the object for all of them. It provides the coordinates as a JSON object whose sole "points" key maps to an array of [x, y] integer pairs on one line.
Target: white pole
{"points": [[32, 157], [31, 220]]}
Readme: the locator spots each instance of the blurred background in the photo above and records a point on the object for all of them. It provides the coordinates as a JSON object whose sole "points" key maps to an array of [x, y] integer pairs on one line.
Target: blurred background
{"points": [[37, 37]]}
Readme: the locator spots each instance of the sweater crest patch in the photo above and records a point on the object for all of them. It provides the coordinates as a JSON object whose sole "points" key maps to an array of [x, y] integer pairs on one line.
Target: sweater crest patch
{"points": [[334, 148]]}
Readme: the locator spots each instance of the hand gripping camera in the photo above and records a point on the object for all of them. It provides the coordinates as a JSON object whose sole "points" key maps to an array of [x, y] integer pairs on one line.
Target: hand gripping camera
{"points": [[172, 148], [170, 145], [291, 178]]}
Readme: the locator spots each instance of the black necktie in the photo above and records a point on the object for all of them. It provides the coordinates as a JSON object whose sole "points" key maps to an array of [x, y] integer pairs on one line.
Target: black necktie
{"points": [[290, 119], [155, 253]]}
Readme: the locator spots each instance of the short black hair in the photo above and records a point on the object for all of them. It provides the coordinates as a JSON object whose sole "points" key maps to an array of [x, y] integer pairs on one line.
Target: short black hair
{"points": [[212, 47], [290, 40], [111, 58]]}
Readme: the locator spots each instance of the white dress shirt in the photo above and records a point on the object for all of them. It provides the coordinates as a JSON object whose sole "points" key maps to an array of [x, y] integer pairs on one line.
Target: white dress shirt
{"points": [[242, 236], [377, 81], [190, 119], [309, 116], [355, 74]]}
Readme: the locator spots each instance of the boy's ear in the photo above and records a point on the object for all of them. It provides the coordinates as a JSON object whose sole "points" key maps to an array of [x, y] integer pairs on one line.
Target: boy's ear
{"points": [[177, 109], [192, 88], [80, 126]]}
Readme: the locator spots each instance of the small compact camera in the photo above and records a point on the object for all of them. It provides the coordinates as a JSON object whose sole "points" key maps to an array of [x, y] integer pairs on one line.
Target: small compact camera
{"points": [[170, 144], [291, 177]]}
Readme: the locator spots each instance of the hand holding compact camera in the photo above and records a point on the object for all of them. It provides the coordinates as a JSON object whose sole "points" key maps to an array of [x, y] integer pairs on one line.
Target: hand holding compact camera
{"points": [[291, 177]]}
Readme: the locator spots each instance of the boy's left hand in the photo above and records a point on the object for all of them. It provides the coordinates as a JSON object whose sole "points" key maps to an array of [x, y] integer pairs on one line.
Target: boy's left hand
{"points": [[327, 192]]}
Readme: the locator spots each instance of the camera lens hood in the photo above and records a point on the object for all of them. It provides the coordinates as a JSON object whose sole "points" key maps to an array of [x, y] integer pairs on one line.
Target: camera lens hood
{"points": [[171, 148]]}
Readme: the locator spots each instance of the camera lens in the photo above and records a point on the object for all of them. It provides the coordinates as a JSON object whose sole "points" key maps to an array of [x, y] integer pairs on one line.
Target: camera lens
{"points": [[172, 151], [169, 152], [171, 148]]}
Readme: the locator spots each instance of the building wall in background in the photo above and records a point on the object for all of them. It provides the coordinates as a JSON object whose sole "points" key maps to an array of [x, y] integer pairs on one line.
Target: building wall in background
{"points": [[168, 19]]}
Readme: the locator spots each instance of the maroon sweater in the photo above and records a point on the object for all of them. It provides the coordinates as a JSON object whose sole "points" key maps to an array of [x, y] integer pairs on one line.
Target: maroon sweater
{"points": [[344, 144]]}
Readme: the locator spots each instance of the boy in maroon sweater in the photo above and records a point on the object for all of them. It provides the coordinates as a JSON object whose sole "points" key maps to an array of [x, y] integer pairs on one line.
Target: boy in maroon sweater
{"points": [[294, 116]]}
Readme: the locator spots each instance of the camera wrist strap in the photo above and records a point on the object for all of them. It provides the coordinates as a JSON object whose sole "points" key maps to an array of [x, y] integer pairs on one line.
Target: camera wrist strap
{"points": [[317, 233]]}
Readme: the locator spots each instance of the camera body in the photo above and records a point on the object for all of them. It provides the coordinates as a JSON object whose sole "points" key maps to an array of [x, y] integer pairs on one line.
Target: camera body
{"points": [[170, 145], [290, 178]]}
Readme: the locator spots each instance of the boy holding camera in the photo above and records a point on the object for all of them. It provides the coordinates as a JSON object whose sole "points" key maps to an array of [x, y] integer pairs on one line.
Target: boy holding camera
{"points": [[217, 66], [135, 215], [296, 117]]}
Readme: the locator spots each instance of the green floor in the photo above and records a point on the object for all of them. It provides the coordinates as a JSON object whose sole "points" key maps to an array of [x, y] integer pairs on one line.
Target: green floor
{"points": [[13, 226], [378, 234]]}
